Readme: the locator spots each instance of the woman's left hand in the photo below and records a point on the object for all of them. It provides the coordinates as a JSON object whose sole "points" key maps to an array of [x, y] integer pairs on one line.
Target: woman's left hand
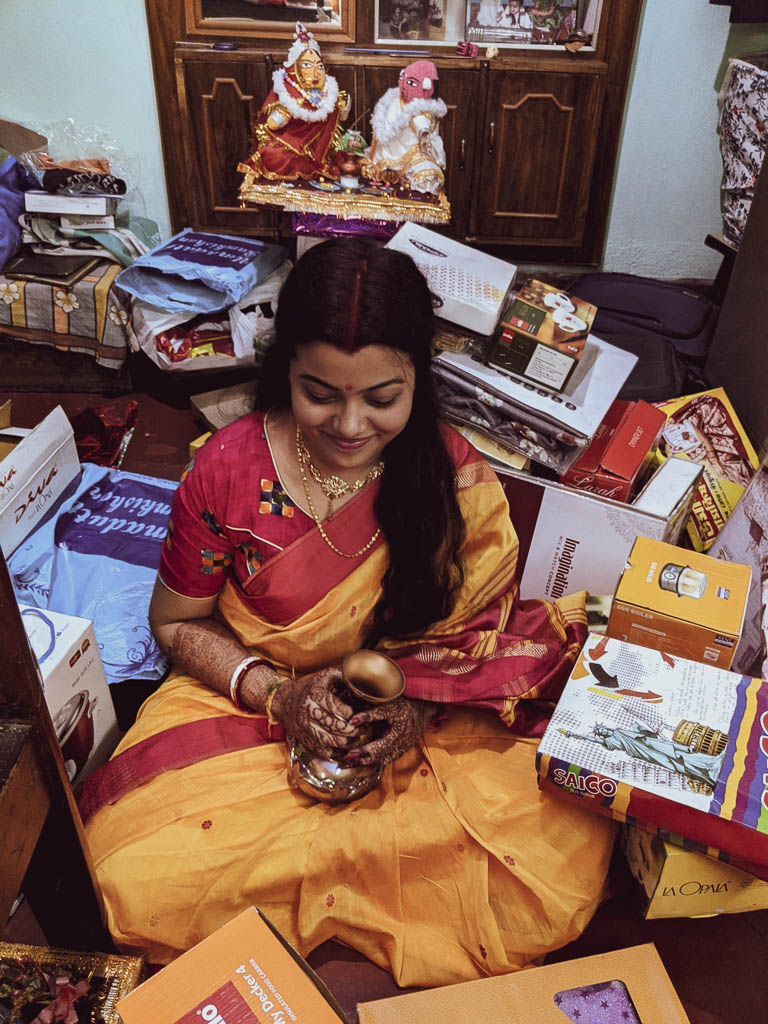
{"points": [[407, 719]]}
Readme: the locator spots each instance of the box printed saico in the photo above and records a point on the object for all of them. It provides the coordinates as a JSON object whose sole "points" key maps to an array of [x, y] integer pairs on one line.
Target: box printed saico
{"points": [[674, 746]]}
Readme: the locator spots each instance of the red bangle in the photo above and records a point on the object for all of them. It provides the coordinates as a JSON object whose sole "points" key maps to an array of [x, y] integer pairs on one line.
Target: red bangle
{"points": [[239, 675]]}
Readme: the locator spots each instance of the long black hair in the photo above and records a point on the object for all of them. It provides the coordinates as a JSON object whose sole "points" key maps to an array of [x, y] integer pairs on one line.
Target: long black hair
{"points": [[350, 292]]}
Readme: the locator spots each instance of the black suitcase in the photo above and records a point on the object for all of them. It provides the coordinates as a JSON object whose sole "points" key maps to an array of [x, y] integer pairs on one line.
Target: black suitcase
{"points": [[667, 327]]}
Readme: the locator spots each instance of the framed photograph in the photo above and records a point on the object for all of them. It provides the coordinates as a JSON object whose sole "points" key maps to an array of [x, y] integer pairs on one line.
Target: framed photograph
{"points": [[271, 18], [63, 982], [420, 21], [527, 22]]}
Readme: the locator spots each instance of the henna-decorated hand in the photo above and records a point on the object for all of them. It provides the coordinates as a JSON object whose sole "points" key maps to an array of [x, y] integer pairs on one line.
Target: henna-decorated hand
{"points": [[312, 713], [407, 719]]}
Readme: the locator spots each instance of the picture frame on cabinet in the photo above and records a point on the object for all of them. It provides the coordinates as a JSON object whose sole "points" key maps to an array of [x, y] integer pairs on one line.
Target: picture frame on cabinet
{"points": [[270, 18], [523, 22], [420, 21]]}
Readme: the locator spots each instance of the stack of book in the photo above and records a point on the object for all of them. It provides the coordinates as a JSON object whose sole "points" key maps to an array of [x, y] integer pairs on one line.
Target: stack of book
{"points": [[56, 225]]}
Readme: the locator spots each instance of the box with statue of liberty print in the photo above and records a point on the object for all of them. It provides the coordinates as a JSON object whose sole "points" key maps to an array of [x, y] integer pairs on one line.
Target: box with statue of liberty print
{"points": [[673, 746]]}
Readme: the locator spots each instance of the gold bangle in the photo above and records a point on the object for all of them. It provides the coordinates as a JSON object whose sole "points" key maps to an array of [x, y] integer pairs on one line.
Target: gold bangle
{"points": [[271, 691]]}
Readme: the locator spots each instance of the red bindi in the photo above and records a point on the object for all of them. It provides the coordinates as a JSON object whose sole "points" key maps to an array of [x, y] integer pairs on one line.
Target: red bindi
{"points": [[347, 387]]}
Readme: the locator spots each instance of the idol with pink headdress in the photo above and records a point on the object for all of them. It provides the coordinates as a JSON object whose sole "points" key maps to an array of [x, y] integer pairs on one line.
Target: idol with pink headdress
{"points": [[406, 141], [297, 130]]}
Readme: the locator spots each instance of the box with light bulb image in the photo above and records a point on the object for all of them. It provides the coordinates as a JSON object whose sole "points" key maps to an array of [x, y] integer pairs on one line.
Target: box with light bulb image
{"points": [[681, 602], [672, 746]]}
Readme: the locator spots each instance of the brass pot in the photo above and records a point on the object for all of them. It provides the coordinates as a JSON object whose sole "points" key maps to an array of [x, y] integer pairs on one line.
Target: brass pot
{"points": [[371, 678]]}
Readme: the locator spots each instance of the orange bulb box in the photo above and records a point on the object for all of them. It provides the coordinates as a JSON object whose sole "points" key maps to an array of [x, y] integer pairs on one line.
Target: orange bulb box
{"points": [[244, 973], [628, 985], [681, 602]]}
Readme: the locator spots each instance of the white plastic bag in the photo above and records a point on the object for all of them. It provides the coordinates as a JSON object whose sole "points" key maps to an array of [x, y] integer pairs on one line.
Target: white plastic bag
{"points": [[251, 332]]}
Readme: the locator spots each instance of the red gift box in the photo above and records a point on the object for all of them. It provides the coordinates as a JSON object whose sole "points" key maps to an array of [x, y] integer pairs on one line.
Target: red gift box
{"points": [[619, 451]]}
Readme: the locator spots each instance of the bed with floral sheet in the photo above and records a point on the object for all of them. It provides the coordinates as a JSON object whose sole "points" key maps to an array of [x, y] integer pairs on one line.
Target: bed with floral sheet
{"points": [[87, 316]]}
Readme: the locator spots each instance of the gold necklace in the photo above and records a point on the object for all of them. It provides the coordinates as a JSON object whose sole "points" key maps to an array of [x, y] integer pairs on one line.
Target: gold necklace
{"points": [[313, 511], [332, 486]]}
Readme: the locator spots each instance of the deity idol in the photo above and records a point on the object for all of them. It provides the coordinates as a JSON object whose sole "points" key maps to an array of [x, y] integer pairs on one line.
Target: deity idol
{"points": [[297, 131], [406, 134]]}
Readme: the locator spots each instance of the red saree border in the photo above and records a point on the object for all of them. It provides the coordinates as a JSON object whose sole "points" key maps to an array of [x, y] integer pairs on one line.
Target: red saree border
{"points": [[282, 591], [179, 747]]}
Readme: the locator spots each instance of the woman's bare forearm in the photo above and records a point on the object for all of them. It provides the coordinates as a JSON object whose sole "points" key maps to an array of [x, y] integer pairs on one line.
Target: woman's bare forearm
{"points": [[207, 650]]}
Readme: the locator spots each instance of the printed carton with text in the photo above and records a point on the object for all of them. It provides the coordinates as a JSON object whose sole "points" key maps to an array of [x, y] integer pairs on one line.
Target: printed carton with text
{"points": [[244, 973], [75, 688], [619, 452], [673, 746], [680, 602], [542, 335], [678, 882], [36, 467], [629, 986], [705, 429]]}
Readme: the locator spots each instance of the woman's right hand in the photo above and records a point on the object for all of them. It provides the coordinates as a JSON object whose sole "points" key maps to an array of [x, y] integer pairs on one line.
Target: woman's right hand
{"points": [[312, 713]]}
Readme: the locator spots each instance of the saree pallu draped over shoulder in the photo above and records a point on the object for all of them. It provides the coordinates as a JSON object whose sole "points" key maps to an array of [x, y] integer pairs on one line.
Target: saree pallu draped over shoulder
{"points": [[455, 867]]}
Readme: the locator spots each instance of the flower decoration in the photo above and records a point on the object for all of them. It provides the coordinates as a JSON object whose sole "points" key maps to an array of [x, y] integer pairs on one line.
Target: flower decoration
{"points": [[118, 316], [29, 992], [66, 301], [9, 292]]}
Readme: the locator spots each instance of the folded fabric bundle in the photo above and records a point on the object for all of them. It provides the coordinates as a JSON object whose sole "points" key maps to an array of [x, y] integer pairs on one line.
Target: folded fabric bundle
{"points": [[82, 183], [123, 243], [520, 429]]}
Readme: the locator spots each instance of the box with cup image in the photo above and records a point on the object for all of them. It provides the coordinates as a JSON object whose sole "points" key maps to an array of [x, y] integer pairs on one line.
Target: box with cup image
{"points": [[542, 334], [75, 688], [680, 602]]}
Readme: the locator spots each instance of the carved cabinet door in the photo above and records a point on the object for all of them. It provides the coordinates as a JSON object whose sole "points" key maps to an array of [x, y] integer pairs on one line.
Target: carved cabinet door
{"points": [[536, 154], [218, 101]]}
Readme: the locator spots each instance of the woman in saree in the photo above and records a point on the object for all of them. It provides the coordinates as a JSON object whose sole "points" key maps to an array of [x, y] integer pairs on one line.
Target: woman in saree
{"points": [[344, 515]]}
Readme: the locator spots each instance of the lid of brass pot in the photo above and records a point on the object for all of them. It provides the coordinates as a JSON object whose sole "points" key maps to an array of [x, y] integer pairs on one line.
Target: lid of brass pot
{"points": [[373, 676]]}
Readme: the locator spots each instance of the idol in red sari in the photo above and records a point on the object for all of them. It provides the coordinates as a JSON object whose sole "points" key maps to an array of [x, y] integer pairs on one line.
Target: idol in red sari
{"points": [[297, 130]]}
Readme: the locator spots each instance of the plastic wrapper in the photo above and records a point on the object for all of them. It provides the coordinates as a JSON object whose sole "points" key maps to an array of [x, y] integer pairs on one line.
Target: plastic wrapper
{"points": [[168, 337], [88, 146], [103, 432], [200, 272], [96, 555]]}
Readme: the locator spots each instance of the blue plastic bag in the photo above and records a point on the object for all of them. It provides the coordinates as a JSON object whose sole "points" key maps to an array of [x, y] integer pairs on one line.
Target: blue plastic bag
{"points": [[198, 272], [96, 556], [14, 182]]}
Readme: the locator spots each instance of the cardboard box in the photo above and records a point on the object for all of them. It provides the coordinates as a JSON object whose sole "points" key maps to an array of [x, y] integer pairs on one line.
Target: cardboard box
{"points": [[542, 334], [705, 429], [683, 883], [572, 540], [75, 688], [470, 284], [18, 139], [548, 428], [744, 538], [673, 746], [680, 602], [244, 973], [620, 451], [224, 405], [33, 474], [545, 995], [198, 442]]}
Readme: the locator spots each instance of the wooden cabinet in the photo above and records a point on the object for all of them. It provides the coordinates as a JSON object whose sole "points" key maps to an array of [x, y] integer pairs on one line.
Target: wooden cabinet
{"points": [[531, 136]]}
